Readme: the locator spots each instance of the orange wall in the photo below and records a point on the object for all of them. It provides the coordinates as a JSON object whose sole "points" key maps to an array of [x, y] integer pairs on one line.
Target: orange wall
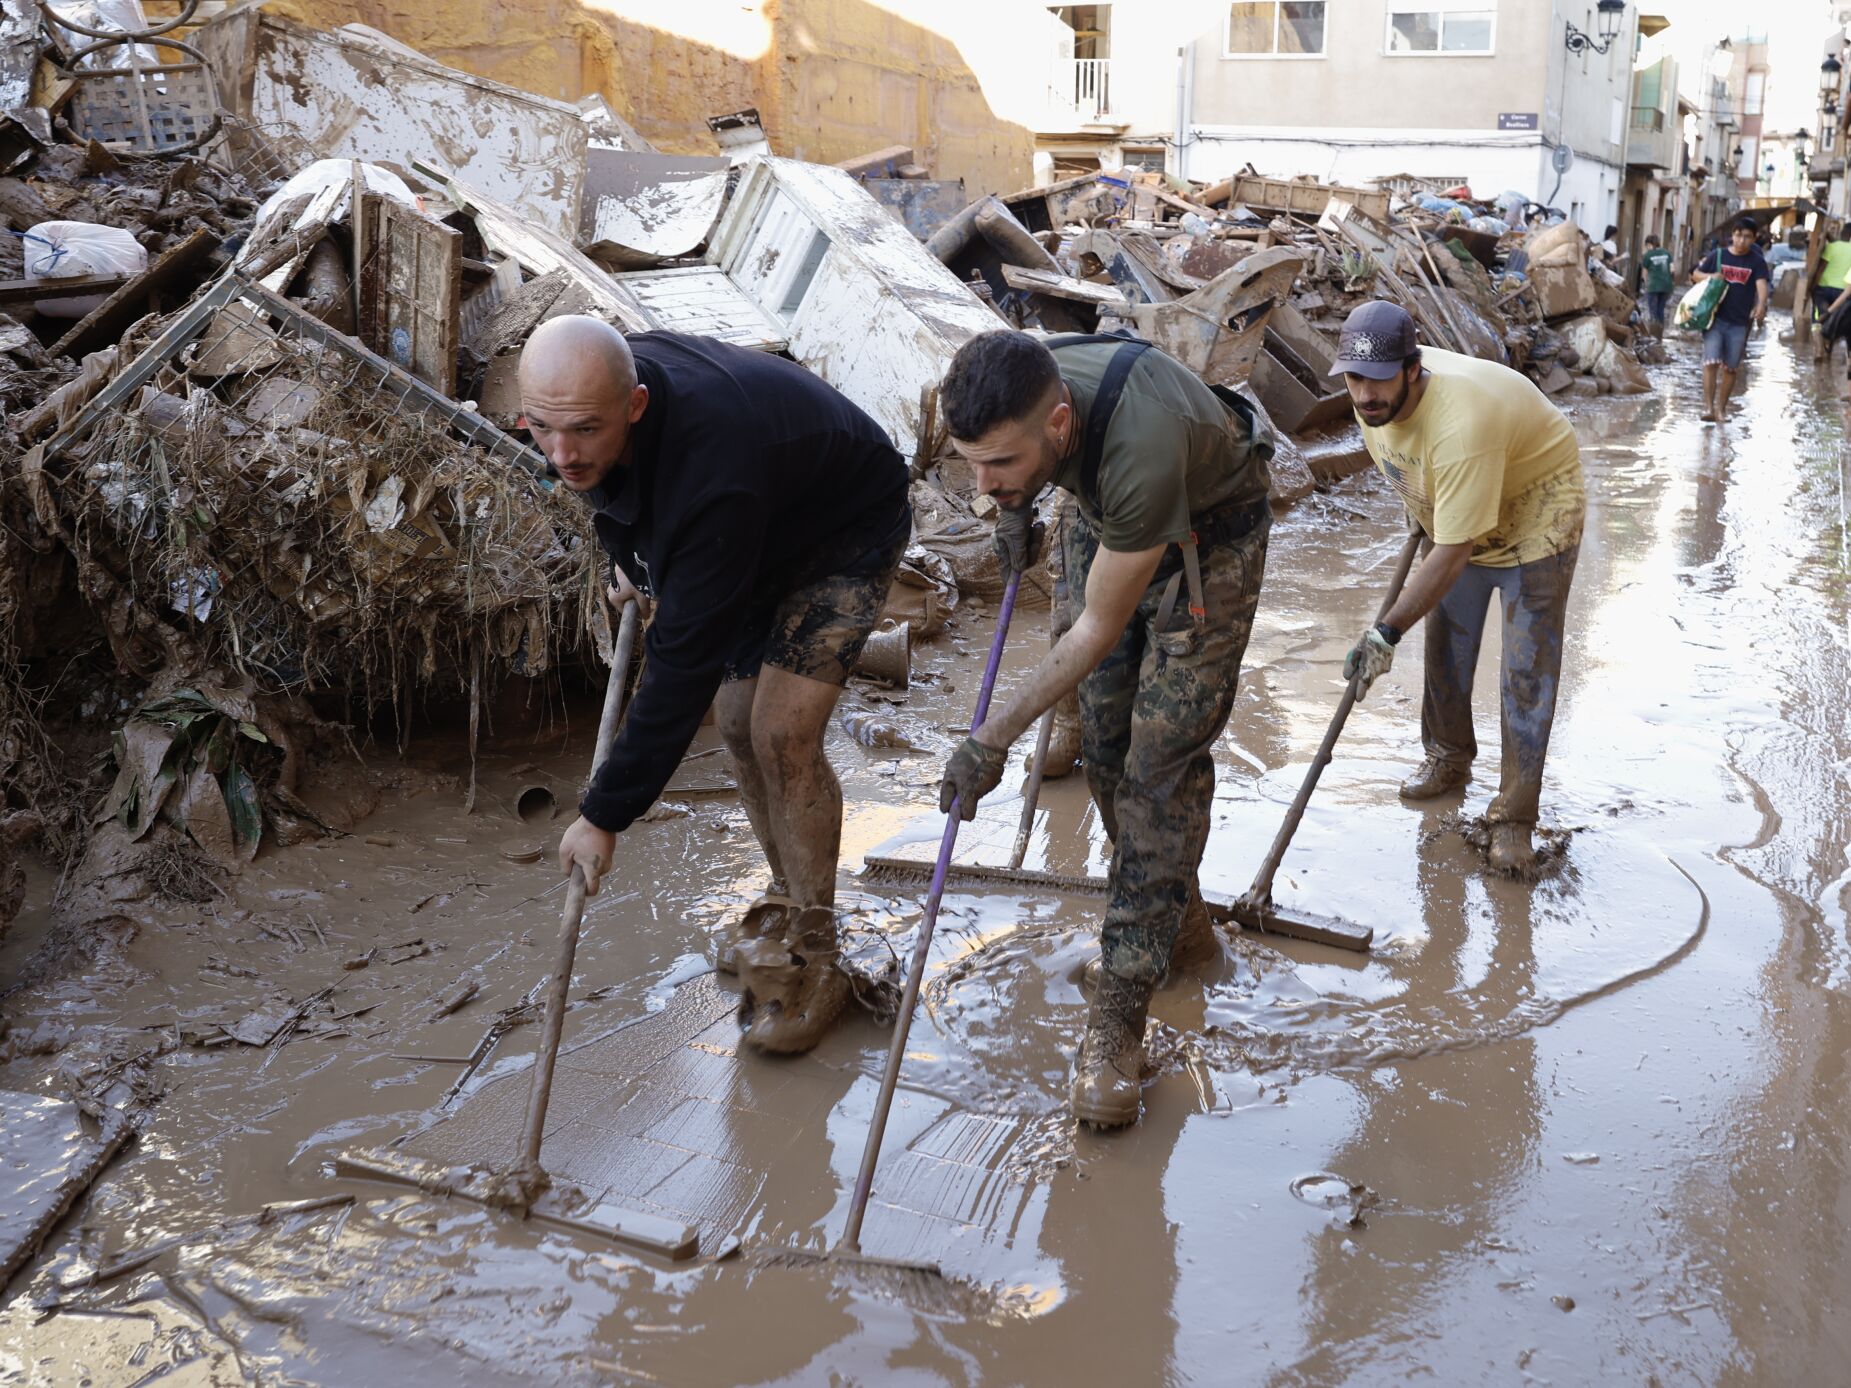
{"points": [[832, 79]]}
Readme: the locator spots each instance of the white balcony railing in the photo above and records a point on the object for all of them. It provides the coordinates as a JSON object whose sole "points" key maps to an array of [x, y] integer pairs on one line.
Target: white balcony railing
{"points": [[1089, 88]]}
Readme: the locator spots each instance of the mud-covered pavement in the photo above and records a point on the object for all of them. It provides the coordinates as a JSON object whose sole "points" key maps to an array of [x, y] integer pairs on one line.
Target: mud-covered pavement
{"points": [[1594, 1129]]}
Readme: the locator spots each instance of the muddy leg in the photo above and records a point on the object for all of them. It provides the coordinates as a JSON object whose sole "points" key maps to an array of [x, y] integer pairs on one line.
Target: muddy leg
{"points": [[1185, 692], [733, 712], [803, 798], [1535, 600], [1455, 630], [1709, 389]]}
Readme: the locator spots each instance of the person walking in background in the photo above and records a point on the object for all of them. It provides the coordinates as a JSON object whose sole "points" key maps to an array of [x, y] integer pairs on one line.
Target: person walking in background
{"points": [[1829, 285], [1655, 284], [1744, 269]]}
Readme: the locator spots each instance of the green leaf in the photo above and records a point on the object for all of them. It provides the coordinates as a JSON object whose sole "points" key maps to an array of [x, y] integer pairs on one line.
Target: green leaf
{"points": [[247, 816], [252, 731], [216, 754]]}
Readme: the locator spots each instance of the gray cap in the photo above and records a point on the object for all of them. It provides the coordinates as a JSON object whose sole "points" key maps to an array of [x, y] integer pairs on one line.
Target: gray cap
{"points": [[1377, 337]]}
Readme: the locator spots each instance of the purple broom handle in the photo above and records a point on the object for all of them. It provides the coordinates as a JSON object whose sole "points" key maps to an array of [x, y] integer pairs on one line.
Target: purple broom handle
{"points": [[915, 973]]}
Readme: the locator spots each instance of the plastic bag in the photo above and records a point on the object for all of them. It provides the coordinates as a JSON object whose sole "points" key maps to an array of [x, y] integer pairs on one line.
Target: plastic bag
{"points": [[1698, 307], [68, 250]]}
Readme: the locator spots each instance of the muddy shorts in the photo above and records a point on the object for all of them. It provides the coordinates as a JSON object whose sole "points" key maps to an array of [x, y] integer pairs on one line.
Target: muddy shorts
{"points": [[1150, 715], [1724, 344], [814, 621]]}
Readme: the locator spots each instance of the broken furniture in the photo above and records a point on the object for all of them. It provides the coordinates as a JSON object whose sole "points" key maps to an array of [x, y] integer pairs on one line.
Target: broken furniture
{"points": [[353, 93], [123, 100]]}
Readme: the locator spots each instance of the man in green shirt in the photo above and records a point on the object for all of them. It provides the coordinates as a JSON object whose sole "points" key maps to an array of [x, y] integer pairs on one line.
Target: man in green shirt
{"points": [[1164, 554], [1655, 283]]}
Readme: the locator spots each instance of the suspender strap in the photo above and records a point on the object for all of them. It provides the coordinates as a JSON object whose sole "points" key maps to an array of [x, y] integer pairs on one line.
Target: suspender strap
{"points": [[1191, 572], [1104, 406]]}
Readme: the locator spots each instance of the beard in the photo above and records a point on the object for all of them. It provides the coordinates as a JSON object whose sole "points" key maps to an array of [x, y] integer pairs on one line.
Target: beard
{"points": [[1386, 413]]}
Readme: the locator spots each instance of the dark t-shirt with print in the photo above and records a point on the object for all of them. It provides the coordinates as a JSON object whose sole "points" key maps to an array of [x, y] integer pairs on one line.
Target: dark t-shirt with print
{"points": [[1740, 272]]}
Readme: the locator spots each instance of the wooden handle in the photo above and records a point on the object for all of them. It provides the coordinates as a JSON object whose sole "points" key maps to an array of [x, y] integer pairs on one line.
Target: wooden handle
{"points": [[553, 1023], [1261, 891]]}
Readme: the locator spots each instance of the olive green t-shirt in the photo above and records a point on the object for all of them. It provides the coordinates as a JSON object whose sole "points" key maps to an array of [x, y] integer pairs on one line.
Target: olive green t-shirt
{"points": [[1173, 450]]}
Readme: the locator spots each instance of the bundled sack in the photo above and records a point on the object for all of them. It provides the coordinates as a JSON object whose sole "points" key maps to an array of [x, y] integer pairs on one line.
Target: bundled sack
{"points": [[70, 250], [1697, 309], [1837, 323]]}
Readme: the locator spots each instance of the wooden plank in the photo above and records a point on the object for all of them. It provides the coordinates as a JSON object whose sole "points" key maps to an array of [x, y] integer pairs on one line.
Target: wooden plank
{"points": [[31, 291], [411, 290], [1066, 287], [52, 1161], [104, 325]]}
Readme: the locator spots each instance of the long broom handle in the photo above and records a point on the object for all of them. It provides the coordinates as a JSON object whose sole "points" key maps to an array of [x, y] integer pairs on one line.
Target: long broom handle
{"points": [[1030, 797], [1262, 889], [915, 973], [540, 1092]]}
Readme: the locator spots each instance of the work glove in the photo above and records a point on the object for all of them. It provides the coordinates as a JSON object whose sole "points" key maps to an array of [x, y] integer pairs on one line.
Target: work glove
{"points": [[1369, 659], [971, 774], [1018, 538]]}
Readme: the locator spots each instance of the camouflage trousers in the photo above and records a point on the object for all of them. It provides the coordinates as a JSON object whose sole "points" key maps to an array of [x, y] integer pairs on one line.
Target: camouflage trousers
{"points": [[1150, 715]]}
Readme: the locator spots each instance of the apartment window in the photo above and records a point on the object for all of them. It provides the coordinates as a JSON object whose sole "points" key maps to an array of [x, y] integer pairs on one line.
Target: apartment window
{"points": [[1275, 29], [1441, 30]]}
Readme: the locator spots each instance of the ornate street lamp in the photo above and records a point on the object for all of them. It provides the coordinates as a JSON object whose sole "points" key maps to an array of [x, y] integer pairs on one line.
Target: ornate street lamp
{"points": [[1828, 75], [1609, 14]]}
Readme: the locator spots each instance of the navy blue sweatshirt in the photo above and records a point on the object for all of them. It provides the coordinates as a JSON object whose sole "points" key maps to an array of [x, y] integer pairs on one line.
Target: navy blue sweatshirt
{"points": [[742, 465]]}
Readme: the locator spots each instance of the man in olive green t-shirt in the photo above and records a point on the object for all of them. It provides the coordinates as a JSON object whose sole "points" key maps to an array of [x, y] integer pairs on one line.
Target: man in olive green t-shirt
{"points": [[1164, 553], [1490, 472]]}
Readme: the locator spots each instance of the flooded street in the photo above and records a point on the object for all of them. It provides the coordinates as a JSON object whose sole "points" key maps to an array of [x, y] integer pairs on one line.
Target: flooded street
{"points": [[1594, 1129]]}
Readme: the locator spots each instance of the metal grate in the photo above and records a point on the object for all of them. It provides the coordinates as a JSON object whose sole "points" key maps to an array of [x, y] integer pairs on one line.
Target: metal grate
{"points": [[157, 110], [167, 107]]}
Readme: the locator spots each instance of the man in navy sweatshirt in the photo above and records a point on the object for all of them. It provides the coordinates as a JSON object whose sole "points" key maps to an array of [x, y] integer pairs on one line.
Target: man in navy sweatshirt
{"points": [[758, 517]]}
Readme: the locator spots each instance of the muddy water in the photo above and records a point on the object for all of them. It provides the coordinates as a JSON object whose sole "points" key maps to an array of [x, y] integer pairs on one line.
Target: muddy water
{"points": [[1594, 1128]]}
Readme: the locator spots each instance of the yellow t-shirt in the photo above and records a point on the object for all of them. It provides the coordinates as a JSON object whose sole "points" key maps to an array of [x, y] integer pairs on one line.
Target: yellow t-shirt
{"points": [[1485, 458], [1834, 261]]}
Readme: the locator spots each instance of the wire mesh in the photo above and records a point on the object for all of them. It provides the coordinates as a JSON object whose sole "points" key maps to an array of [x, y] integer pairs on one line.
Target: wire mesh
{"points": [[319, 519]]}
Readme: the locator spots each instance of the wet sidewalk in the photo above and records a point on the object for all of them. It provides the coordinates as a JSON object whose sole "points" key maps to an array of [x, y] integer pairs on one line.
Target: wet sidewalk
{"points": [[1600, 1125]]}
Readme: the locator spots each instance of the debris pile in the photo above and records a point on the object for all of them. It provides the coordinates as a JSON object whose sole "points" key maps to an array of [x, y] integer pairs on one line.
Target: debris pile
{"points": [[258, 358]]}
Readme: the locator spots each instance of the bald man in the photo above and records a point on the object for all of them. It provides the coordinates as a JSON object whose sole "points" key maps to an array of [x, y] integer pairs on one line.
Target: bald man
{"points": [[759, 517]]}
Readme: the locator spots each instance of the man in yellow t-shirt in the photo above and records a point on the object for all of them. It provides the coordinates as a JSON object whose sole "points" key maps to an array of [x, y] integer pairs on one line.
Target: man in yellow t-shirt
{"points": [[1489, 471]]}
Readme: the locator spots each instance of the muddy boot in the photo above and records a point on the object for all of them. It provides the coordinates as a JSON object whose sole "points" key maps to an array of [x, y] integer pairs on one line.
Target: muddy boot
{"points": [[1510, 849], [1434, 777], [764, 918], [1108, 1078], [1196, 943], [1064, 744], [793, 989]]}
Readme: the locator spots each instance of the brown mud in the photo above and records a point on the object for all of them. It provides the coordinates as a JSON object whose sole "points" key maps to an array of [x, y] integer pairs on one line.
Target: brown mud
{"points": [[1595, 1127]]}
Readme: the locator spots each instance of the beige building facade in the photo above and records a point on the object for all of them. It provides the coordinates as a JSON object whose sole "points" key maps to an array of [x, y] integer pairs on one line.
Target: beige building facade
{"points": [[1479, 91]]}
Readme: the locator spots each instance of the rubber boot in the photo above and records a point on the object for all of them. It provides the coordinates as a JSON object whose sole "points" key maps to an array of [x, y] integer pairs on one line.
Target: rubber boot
{"points": [[764, 917], [1064, 743], [1196, 943], [793, 989], [1510, 849], [1108, 1078], [1434, 777]]}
